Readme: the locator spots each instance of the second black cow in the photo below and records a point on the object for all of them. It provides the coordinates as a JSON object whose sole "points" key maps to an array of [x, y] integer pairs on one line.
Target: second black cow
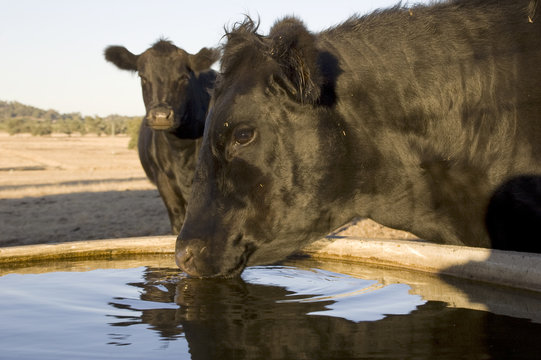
{"points": [[176, 88]]}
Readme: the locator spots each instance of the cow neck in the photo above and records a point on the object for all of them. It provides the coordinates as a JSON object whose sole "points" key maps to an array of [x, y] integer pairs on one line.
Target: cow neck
{"points": [[176, 140], [194, 110]]}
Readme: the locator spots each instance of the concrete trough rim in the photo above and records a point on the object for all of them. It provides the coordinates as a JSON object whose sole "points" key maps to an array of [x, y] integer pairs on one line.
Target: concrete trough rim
{"points": [[89, 249], [514, 269], [508, 268]]}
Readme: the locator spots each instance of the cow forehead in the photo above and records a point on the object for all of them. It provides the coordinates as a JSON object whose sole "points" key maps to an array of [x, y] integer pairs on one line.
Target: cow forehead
{"points": [[164, 63], [242, 103]]}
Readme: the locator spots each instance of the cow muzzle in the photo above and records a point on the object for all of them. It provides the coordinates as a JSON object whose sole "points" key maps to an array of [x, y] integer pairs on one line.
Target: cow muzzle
{"points": [[198, 260], [161, 118], [195, 260]]}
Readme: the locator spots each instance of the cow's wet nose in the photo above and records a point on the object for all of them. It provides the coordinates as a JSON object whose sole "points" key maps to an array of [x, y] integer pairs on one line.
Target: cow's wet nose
{"points": [[161, 118], [187, 258], [163, 114]]}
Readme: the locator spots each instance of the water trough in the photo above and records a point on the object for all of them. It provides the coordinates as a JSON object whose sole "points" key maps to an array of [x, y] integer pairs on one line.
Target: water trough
{"points": [[515, 269], [127, 298]]}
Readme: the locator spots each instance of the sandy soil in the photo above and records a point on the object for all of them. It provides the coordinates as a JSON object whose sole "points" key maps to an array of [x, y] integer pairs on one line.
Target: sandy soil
{"points": [[58, 188]]}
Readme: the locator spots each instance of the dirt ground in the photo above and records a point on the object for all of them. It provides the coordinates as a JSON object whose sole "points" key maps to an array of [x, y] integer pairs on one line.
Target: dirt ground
{"points": [[59, 188]]}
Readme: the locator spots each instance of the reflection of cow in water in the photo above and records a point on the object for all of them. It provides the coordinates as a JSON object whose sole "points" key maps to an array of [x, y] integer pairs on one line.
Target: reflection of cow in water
{"points": [[231, 319], [176, 94], [411, 117]]}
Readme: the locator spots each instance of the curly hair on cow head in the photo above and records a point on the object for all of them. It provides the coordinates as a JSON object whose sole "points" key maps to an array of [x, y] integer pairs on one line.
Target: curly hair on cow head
{"points": [[163, 46], [243, 44], [289, 45]]}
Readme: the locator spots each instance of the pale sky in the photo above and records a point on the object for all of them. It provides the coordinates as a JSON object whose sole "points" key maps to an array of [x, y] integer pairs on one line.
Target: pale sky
{"points": [[51, 51]]}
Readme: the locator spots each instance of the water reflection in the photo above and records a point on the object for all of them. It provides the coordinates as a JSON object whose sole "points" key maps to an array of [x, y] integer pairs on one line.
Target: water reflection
{"points": [[255, 318]]}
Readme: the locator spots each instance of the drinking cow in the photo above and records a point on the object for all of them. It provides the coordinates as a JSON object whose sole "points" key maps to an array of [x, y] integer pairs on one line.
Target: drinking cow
{"points": [[409, 116]]}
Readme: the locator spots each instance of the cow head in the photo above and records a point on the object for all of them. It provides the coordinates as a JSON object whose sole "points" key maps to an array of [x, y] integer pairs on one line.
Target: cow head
{"points": [[167, 73], [270, 146]]}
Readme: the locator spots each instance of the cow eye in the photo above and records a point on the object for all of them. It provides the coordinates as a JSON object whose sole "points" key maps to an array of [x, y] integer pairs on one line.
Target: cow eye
{"points": [[143, 79], [244, 135]]}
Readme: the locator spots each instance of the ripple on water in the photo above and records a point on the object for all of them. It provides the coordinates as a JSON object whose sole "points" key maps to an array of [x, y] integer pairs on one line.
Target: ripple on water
{"points": [[352, 298]]}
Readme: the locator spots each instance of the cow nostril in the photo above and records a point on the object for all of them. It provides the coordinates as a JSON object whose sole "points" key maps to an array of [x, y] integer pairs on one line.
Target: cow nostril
{"points": [[187, 258], [161, 118], [162, 113], [183, 257], [166, 114], [195, 257]]}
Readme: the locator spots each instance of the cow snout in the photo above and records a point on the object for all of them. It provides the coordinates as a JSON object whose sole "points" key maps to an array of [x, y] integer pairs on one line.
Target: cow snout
{"points": [[161, 118], [191, 259]]}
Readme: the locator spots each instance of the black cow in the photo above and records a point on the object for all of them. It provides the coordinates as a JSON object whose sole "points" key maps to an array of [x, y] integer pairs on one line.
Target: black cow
{"points": [[176, 88], [411, 117]]}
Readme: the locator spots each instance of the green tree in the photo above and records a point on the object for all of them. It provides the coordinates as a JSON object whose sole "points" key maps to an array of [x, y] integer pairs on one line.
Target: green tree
{"points": [[95, 125], [41, 128], [18, 126], [51, 115], [19, 118], [132, 128]]}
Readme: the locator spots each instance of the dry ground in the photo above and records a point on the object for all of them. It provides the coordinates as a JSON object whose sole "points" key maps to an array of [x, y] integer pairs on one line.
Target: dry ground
{"points": [[58, 188]]}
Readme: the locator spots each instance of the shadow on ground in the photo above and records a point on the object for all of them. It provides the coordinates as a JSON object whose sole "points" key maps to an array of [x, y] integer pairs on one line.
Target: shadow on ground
{"points": [[82, 216], [73, 183]]}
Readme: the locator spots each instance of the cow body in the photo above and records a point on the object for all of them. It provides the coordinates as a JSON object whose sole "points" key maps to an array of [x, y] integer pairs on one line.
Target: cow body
{"points": [[411, 117], [176, 89]]}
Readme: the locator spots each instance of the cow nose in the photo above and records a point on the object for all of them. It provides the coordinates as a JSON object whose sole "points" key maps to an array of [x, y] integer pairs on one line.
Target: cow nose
{"points": [[161, 118], [163, 114], [187, 258]]}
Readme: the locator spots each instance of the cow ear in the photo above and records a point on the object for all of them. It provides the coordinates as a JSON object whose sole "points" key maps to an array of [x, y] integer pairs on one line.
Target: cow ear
{"points": [[294, 48], [204, 59], [121, 57]]}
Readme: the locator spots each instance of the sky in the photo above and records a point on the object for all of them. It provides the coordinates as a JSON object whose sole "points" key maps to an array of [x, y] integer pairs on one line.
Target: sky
{"points": [[51, 51]]}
